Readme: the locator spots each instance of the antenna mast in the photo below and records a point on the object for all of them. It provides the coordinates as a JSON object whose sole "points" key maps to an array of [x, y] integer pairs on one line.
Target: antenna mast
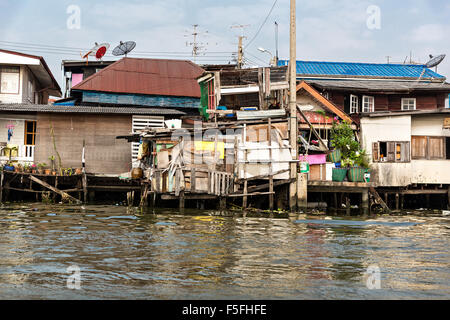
{"points": [[196, 46]]}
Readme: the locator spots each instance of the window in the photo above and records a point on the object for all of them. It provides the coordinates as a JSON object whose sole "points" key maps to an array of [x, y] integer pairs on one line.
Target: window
{"points": [[9, 80], [409, 104], [30, 91], [368, 104], [390, 151], [429, 148], [30, 133], [353, 104]]}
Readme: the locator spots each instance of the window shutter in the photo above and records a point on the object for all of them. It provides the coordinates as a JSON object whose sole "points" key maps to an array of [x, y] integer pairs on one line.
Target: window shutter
{"points": [[406, 152], [436, 148], [391, 151], [376, 152], [418, 147]]}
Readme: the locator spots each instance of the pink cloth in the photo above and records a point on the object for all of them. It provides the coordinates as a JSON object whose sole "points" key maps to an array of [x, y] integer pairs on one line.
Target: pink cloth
{"points": [[76, 78], [314, 158]]}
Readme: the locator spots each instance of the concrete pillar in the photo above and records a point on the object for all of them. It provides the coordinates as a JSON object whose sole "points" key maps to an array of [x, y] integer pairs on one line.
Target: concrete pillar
{"points": [[302, 191], [365, 202]]}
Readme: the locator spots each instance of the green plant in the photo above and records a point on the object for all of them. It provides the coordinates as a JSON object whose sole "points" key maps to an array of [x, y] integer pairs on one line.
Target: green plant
{"points": [[41, 165], [343, 138]]}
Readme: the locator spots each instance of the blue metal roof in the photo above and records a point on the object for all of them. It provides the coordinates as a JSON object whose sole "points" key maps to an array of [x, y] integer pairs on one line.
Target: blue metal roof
{"points": [[321, 68]]}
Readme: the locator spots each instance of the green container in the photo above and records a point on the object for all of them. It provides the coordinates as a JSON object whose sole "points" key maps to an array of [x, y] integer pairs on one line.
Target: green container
{"points": [[304, 167], [338, 174], [335, 156], [356, 174]]}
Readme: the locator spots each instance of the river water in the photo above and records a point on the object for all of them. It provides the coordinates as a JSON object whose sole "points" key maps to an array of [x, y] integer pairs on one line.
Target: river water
{"points": [[124, 254]]}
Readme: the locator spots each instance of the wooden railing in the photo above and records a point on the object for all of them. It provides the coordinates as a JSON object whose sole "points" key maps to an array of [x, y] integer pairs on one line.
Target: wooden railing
{"points": [[200, 181]]}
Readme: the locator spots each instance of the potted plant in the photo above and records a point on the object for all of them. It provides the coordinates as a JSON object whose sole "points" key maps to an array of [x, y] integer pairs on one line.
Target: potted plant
{"points": [[26, 168], [8, 150], [78, 171], [33, 168], [18, 168], [9, 166], [41, 167], [359, 167]]}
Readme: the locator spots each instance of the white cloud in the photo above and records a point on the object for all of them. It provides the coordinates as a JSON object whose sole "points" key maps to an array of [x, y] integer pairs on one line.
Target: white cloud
{"points": [[429, 33]]}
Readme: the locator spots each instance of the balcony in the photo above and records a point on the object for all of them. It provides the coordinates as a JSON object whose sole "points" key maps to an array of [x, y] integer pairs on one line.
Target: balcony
{"points": [[20, 153]]}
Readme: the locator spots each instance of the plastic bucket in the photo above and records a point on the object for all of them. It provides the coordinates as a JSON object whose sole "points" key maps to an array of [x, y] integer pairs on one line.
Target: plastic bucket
{"points": [[335, 156], [356, 174], [339, 174]]}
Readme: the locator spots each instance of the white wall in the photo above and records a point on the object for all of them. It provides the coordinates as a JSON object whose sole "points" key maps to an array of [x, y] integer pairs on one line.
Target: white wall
{"points": [[431, 125], [400, 128], [18, 133], [386, 129]]}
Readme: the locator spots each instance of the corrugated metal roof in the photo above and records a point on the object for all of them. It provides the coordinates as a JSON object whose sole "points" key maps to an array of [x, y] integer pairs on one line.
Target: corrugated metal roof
{"points": [[376, 85], [367, 70], [88, 109], [146, 76]]}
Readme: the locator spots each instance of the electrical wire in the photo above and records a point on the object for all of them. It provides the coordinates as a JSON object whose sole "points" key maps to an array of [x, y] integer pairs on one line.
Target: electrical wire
{"points": [[264, 22]]}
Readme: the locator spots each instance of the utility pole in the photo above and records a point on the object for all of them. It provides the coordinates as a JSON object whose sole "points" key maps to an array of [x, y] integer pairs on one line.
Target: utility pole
{"points": [[293, 109], [240, 57], [240, 53], [276, 43]]}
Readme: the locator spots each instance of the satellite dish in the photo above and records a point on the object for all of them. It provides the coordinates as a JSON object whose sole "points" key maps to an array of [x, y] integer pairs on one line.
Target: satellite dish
{"points": [[124, 48], [98, 51], [435, 61]]}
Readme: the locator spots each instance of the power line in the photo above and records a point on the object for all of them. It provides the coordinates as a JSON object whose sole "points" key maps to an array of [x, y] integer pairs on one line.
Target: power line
{"points": [[264, 22], [67, 49], [255, 57]]}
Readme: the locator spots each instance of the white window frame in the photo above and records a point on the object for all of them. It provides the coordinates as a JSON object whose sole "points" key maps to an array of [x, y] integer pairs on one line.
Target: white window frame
{"points": [[371, 107], [409, 100], [353, 108], [13, 77]]}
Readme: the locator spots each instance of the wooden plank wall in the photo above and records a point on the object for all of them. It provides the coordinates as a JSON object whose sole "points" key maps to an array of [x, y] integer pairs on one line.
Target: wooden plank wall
{"points": [[104, 153], [384, 102]]}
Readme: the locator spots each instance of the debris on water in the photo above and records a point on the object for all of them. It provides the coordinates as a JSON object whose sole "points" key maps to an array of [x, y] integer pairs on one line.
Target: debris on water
{"points": [[446, 213]]}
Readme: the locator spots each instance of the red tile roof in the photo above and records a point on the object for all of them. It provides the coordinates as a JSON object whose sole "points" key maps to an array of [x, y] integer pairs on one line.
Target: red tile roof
{"points": [[146, 76]]}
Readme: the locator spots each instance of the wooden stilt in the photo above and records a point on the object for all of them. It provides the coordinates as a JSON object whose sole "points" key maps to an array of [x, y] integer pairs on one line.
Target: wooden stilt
{"points": [[397, 201], [347, 204], [1, 186], [85, 190], [181, 204]]}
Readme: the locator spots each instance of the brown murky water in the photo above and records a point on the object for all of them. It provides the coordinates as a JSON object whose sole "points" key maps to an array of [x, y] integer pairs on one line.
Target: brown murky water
{"points": [[123, 254]]}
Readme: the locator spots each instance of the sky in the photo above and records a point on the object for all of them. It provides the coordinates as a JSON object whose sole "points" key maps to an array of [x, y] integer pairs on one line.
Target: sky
{"points": [[327, 30]]}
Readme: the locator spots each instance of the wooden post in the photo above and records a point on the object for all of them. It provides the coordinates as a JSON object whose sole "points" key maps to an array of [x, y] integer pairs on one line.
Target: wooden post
{"points": [[269, 139], [293, 106], [402, 200], [85, 190], [397, 201], [192, 180], [347, 204], [427, 197], [244, 139], [1, 186], [181, 200]]}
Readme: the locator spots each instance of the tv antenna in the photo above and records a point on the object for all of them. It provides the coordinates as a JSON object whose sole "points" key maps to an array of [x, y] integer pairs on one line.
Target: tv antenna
{"points": [[434, 62], [196, 46], [124, 48]]}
